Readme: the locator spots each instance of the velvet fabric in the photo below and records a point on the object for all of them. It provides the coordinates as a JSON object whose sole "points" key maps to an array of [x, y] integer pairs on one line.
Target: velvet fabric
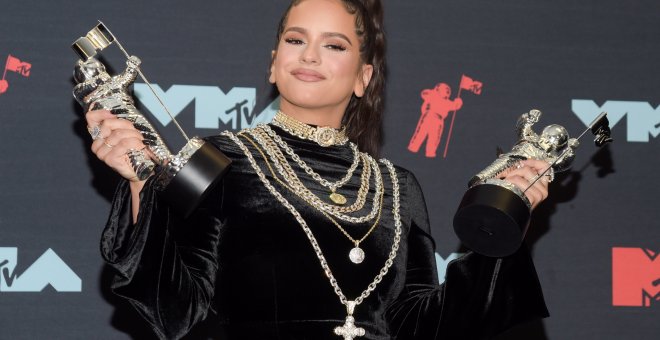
{"points": [[243, 256]]}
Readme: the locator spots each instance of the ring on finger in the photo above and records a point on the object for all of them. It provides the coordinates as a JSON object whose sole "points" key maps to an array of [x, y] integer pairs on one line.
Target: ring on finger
{"points": [[110, 146], [551, 175], [94, 131]]}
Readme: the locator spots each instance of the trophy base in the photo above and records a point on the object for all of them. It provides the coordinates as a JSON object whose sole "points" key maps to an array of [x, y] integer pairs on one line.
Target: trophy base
{"points": [[194, 181], [492, 220]]}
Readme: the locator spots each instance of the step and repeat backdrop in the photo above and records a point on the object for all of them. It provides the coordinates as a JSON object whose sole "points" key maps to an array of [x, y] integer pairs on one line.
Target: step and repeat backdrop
{"points": [[595, 241]]}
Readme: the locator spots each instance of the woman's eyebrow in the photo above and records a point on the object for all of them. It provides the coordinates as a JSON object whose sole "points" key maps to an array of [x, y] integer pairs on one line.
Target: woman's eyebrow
{"points": [[325, 34]]}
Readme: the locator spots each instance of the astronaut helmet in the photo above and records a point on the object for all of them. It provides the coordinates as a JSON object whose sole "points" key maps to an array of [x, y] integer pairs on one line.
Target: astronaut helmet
{"points": [[86, 70], [553, 138]]}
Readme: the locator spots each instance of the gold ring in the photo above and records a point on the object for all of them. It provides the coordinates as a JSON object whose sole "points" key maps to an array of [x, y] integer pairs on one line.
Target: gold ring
{"points": [[108, 144]]}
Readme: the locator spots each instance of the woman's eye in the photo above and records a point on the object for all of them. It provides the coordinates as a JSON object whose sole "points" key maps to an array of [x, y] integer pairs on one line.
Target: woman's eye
{"points": [[293, 41], [336, 47]]}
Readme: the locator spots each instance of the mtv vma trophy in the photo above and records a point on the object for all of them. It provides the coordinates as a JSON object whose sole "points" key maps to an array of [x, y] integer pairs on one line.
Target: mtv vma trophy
{"points": [[183, 178], [494, 215]]}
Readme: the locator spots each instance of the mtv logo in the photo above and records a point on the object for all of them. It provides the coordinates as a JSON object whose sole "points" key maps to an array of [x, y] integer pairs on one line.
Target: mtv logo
{"points": [[212, 105], [642, 119], [48, 269], [635, 277]]}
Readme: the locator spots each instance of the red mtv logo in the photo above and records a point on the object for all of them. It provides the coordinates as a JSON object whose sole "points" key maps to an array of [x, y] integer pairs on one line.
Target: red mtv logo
{"points": [[635, 277], [14, 64]]}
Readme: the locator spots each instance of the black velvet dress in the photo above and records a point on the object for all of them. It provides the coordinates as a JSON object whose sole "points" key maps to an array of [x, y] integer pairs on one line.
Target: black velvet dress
{"points": [[243, 256]]}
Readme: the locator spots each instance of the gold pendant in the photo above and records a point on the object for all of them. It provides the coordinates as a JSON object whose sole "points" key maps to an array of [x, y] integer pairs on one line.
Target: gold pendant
{"points": [[337, 198]]}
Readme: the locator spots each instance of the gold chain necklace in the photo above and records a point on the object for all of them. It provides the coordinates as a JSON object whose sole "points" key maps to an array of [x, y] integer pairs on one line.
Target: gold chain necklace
{"points": [[348, 330], [322, 135], [335, 197], [285, 170], [356, 254]]}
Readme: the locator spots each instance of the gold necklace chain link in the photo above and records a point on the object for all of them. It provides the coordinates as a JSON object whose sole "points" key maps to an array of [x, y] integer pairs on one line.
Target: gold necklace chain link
{"points": [[334, 197], [324, 136], [332, 186], [285, 170], [290, 176], [354, 241]]}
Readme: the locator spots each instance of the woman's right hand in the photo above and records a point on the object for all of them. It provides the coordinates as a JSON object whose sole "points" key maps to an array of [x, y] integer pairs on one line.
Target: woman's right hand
{"points": [[116, 139]]}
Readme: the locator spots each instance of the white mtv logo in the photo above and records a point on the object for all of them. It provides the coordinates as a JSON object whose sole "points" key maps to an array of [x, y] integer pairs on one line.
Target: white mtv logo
{"points": [[212, 105], [642, 119], [48, 269]]}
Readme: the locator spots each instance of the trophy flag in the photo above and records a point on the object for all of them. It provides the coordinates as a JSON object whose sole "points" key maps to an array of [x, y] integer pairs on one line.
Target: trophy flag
{"points": [[600, 127], [93, 42], [468, 84]]}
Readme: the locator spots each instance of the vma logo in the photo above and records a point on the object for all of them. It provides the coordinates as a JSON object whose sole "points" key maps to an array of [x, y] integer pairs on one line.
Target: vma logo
{"points": [[14, 64], [642, 119], [212, 106], [48, 269], [635, 277], [436, 107]]}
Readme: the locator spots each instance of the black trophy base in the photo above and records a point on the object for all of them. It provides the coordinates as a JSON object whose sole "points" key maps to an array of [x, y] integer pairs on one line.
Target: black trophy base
{"points": [[196, 179], [491, 220]]}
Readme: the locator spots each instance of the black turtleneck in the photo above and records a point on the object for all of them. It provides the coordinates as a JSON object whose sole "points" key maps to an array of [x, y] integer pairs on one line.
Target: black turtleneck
{"points": [[244, 257]]}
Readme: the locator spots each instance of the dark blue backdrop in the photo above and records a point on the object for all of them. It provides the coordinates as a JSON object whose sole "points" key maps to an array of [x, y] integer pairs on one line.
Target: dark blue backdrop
{"points": [[570, 59]]}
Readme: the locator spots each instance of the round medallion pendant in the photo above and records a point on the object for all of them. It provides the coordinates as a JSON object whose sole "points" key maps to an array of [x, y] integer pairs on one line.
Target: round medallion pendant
{"points": [[338, 199], [356, 255], [325, 136]]}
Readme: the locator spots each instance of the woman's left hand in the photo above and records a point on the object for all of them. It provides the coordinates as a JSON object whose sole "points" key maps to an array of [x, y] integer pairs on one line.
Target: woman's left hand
{"points": [[524, 174]]}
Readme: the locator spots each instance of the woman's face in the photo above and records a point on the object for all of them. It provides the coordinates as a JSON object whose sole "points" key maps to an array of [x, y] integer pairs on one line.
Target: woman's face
{"points": [[317, 62]]}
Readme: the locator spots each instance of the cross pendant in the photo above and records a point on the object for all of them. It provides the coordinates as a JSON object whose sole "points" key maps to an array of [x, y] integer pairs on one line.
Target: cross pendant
{"points": [[349, 331]]}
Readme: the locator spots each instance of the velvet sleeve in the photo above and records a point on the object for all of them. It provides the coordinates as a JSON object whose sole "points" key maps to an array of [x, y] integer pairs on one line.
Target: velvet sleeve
{"points": [[480, 298], [166, 266]]}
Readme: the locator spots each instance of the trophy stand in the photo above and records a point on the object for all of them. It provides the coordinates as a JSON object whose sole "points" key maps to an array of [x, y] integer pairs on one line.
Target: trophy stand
{"points": [[183, 178]]}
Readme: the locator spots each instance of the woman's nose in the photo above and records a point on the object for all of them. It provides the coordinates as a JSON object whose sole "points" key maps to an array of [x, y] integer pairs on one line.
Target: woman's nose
{"points": [[310, 55]]}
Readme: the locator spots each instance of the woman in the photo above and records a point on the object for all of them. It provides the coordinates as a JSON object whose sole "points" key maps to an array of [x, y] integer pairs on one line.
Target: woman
{"points": [[306, 237]]}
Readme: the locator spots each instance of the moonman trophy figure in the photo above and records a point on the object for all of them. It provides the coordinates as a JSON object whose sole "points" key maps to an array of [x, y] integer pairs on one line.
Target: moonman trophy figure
{"points": [[493, 216], [184, 178]]}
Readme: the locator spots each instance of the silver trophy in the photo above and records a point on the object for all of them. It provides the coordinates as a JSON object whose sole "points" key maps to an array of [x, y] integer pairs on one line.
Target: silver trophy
{"points": [[493, 216], [184, 178]]}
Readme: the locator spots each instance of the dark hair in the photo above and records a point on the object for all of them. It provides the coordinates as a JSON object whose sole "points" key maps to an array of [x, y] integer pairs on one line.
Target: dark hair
{"points": [[364, 116]]}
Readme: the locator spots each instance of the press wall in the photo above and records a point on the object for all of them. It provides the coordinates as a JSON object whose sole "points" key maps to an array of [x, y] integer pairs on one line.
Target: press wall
{"points": [[595, 241]]}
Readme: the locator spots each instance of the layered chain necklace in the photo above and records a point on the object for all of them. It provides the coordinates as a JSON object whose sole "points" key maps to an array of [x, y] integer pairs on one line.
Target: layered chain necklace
{"points": [[335, 197], [356, 254], [349, 330], [339, 212]]}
